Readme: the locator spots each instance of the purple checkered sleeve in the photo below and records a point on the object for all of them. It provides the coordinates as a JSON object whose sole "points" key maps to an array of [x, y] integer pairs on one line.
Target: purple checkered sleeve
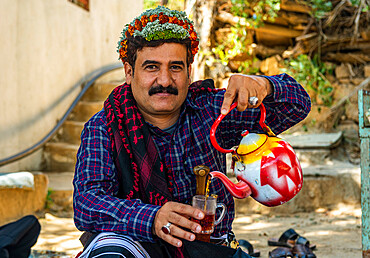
{"points": [[96, 178], [96, 183]]}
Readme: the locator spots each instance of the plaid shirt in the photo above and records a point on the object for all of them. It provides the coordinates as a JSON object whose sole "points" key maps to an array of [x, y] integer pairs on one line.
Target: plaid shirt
{"points": [[96, 209]]}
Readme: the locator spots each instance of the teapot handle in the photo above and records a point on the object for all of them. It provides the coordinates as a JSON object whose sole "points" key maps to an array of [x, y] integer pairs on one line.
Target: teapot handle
{"points": [[265, 128]]}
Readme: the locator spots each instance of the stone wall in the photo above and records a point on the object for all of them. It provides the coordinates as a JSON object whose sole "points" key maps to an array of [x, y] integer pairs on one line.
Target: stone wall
{"points": [[269, 46], [47, 47]]}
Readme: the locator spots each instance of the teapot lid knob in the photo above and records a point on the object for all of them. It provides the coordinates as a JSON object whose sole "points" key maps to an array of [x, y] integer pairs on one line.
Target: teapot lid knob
{"points": [[245, 132]]}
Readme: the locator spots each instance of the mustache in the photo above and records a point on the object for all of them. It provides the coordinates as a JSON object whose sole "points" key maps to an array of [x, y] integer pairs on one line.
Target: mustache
{"points": [[160, 89]]}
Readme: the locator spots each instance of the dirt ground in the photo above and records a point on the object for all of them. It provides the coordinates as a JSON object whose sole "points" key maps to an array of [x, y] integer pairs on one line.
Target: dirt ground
{"points": [[337, 233]]}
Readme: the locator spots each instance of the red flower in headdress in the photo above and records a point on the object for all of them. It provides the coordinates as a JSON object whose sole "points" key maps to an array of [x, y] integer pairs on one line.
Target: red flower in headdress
{"points": [[171, 19], [194, 43], [138, 25], [163, 18], [131, 29], [144, 20], [153, 17], [175, 20], [193, 35], [194, 51]]}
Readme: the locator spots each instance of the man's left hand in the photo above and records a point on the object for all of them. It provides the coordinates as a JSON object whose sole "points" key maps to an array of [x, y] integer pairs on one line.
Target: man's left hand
{"points": [[241, 88]]}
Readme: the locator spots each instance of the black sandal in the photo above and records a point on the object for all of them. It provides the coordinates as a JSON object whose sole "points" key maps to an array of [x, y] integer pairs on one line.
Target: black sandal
{"points": [[249, 247], [289, 239], [302, 251], [281, 252]]}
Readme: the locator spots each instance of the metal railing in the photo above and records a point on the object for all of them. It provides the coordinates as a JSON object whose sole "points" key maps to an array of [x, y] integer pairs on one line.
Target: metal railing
{"points": [[364, 133], [88, 82]]}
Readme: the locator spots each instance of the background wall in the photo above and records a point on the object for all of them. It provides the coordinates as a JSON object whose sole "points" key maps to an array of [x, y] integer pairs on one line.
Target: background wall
{"points": [[47, 46]]}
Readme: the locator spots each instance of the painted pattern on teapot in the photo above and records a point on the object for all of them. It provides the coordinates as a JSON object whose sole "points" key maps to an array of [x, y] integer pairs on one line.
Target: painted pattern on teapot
{"points": [[266, 166]]}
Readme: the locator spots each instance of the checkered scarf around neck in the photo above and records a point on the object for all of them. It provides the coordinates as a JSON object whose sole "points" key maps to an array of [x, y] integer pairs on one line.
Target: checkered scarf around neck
{"points": [[142, 174]]}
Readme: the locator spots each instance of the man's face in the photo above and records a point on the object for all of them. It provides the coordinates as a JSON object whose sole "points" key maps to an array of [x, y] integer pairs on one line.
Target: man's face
{"points": [[160, 81]]}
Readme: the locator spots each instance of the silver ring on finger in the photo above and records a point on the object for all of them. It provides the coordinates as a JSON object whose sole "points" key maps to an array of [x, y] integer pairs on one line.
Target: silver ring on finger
{"points": [[253, 100], [166, 228]]}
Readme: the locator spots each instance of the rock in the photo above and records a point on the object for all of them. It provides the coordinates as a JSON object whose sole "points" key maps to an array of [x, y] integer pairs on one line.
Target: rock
{"points": [[367, 71], [217, 70], [357, 81], [342, 71], [352, 111], [365, 34], [349, 129], [16, 202], [270, 66], [341, 90], [344, 81], [222, 34], [316, 117]]}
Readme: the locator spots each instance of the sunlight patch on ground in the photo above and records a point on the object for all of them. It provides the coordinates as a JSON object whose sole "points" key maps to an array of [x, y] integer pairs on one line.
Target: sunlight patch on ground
{"points": [[257, 225], [58, 234]]}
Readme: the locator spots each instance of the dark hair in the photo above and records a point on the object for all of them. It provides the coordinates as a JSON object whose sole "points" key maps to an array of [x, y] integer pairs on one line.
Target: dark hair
{"points": [[135, 44]]}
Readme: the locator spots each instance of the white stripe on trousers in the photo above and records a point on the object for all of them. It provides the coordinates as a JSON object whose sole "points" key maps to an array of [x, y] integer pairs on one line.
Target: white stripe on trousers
{"points": [[113, 239]]}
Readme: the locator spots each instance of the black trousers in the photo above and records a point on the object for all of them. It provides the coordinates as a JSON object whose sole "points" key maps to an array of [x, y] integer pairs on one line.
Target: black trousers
{"points": [[193, 249], [17, 238]]}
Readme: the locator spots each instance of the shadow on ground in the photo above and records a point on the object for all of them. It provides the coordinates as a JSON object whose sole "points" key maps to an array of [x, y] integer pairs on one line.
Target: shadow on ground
{"points": [[337, 232]]}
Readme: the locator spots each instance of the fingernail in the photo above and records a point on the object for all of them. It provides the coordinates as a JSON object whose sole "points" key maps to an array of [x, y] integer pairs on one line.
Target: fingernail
{"points": [[192, 237], [224, 111], [200, 215], [178, 244], [198, 229]]}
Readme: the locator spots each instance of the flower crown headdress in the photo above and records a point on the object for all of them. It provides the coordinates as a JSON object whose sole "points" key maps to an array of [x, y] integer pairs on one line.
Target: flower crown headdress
{"points": [[156, 24]]}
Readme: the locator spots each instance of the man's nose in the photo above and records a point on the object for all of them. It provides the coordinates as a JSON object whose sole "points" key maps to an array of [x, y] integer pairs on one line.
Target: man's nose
{"points": [[165, 78]]}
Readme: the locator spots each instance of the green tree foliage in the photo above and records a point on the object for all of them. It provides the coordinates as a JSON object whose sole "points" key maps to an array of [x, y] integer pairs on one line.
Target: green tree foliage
{"points": [[255, 11], [172, 4], [312, 74]]}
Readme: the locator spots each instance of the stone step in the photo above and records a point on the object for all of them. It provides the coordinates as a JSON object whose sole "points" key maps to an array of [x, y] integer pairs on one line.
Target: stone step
{"points": [[60, 181], [314, 149], [60, 190], [116, 76], [324, 186], [20, 199], [99, 91], [312, 156], [71, 132], [60, 156], [314, 141], [85, 110]]}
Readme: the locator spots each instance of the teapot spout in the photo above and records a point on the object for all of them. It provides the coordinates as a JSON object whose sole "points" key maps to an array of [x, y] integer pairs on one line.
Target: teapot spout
{"points": [[240, 190]]}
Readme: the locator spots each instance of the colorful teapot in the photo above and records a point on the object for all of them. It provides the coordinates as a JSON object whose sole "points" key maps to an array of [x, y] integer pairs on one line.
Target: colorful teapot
{"points": [[266, 166]]}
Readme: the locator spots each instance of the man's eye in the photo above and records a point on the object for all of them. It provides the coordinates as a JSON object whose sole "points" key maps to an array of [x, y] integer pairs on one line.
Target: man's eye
{"points": [[151, 67], [176, 68]]}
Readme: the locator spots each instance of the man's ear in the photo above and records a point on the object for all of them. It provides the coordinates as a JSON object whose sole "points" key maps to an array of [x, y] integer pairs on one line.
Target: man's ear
{"points": [[129, 72]]}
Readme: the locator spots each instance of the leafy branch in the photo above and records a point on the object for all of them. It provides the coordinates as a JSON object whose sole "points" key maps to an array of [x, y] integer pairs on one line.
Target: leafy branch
{"points": [[312, 74]]}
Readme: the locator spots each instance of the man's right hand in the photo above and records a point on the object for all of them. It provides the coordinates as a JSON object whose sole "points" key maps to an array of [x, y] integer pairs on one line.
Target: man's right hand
{"points": [[179, 215]]}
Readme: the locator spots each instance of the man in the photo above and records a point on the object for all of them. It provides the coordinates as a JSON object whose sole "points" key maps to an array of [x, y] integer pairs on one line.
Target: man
{"points": [[134, 174]]}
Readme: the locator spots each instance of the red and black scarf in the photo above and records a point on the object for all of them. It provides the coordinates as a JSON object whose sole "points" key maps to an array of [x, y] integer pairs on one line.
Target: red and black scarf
{"points": [[141, 173]]}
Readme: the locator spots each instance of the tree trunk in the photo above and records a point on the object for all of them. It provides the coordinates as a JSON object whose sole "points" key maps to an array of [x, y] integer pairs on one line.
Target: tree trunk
{"points": [[201, 12]]}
